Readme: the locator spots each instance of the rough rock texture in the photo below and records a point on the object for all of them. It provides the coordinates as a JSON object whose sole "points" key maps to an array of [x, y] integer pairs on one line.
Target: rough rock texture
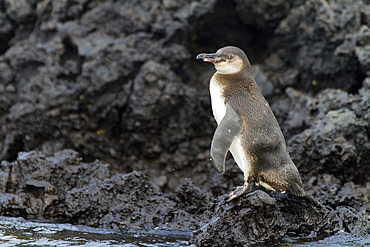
{"points": [[337, 138], [258, 217], [35, 185], [117, 81], [328, 139], [63, 188], [102, 77], [323, 37]]}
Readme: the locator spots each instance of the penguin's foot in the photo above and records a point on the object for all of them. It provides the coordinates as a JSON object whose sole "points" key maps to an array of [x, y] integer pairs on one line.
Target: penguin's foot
{"points": [[240, 190]]}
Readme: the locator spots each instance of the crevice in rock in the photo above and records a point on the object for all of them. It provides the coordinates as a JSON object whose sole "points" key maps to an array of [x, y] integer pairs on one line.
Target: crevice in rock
{"points": [[4, 43], [9, 186], [221, 28], [360, 77], [7, 30], [70, 60], [14, 145]]}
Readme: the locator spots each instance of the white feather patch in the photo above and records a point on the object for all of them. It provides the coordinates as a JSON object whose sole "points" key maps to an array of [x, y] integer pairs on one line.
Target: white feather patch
{"points": [[266, 186], [217, 100], [240, 158], [219, 111]]}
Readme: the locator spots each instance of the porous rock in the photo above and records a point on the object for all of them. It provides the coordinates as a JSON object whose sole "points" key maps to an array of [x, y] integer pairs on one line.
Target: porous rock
{"points": [[261, 217], [337, 140], [63, 188], [117, 81]]}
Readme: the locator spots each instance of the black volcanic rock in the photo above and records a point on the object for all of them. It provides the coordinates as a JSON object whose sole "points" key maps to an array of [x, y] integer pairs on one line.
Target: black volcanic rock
{"points": [[337, 140], [322, 40], [63, 188], [103, 78], [259, 217], [118, 81]]}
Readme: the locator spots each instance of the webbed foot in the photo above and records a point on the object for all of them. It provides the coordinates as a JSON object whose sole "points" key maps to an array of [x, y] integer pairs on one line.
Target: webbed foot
{"points": [[240, 190]]}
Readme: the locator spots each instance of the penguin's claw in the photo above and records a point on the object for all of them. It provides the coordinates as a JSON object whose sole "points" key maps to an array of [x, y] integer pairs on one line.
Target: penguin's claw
{"points": [[240, 190]]}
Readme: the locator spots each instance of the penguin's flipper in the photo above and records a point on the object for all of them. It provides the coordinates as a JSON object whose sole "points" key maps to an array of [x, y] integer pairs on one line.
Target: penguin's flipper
{"points": [[230, 126]]}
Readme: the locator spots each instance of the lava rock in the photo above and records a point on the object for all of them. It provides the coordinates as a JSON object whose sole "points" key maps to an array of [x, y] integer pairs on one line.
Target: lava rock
{"points": [[98, 77], [264, 14], [35, 184], [63, 188], [121, 201], [337, 140], [258, 217], [315, 31], [19, 11], [117, 81], [330, 191]]}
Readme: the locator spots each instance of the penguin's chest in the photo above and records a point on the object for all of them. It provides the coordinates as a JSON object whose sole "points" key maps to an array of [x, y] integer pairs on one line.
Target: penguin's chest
{"points": [[217, 100], [219, 111]]}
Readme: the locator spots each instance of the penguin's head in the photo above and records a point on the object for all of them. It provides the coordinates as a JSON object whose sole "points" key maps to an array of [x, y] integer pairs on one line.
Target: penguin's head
{"points": [[228, 60]]}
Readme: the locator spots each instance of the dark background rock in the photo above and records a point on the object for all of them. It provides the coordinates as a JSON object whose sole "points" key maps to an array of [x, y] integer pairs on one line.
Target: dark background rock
{"points": [[118, 81], [337, 140]]}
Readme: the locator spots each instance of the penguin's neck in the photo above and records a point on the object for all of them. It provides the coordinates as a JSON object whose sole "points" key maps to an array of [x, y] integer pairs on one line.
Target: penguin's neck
{"points": [[225, 79]]}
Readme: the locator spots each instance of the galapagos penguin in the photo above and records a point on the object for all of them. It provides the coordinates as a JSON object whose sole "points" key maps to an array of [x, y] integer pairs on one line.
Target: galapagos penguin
{"points": [[247, 127]]}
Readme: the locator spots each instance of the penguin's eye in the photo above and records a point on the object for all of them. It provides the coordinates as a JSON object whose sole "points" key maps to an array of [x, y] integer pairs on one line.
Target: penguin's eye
{"points": [[229, 57]]}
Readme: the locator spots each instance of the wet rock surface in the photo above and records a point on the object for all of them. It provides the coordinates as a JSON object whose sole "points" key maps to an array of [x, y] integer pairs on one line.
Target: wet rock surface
{"points": [[118, 82]]}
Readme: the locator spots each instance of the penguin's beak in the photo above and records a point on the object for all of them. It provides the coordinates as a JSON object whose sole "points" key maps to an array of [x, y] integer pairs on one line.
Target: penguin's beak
{"points": [[213, 58]]}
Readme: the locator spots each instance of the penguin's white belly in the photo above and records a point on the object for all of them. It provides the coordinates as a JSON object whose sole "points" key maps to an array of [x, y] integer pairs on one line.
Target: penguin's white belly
{"points": [[219, 111]]}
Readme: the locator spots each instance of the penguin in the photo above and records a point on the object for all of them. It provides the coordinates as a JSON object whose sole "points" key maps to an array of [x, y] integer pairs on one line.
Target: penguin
{"points": [[247, 127]]}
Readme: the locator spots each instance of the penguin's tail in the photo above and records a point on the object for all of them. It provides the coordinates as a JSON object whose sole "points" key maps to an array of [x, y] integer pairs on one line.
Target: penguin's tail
{"points": [[296, 188]]}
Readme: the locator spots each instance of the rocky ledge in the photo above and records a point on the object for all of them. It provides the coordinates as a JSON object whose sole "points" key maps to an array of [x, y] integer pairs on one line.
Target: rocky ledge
{"points": [[269, 217], [63, 188], [117, 81]]}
